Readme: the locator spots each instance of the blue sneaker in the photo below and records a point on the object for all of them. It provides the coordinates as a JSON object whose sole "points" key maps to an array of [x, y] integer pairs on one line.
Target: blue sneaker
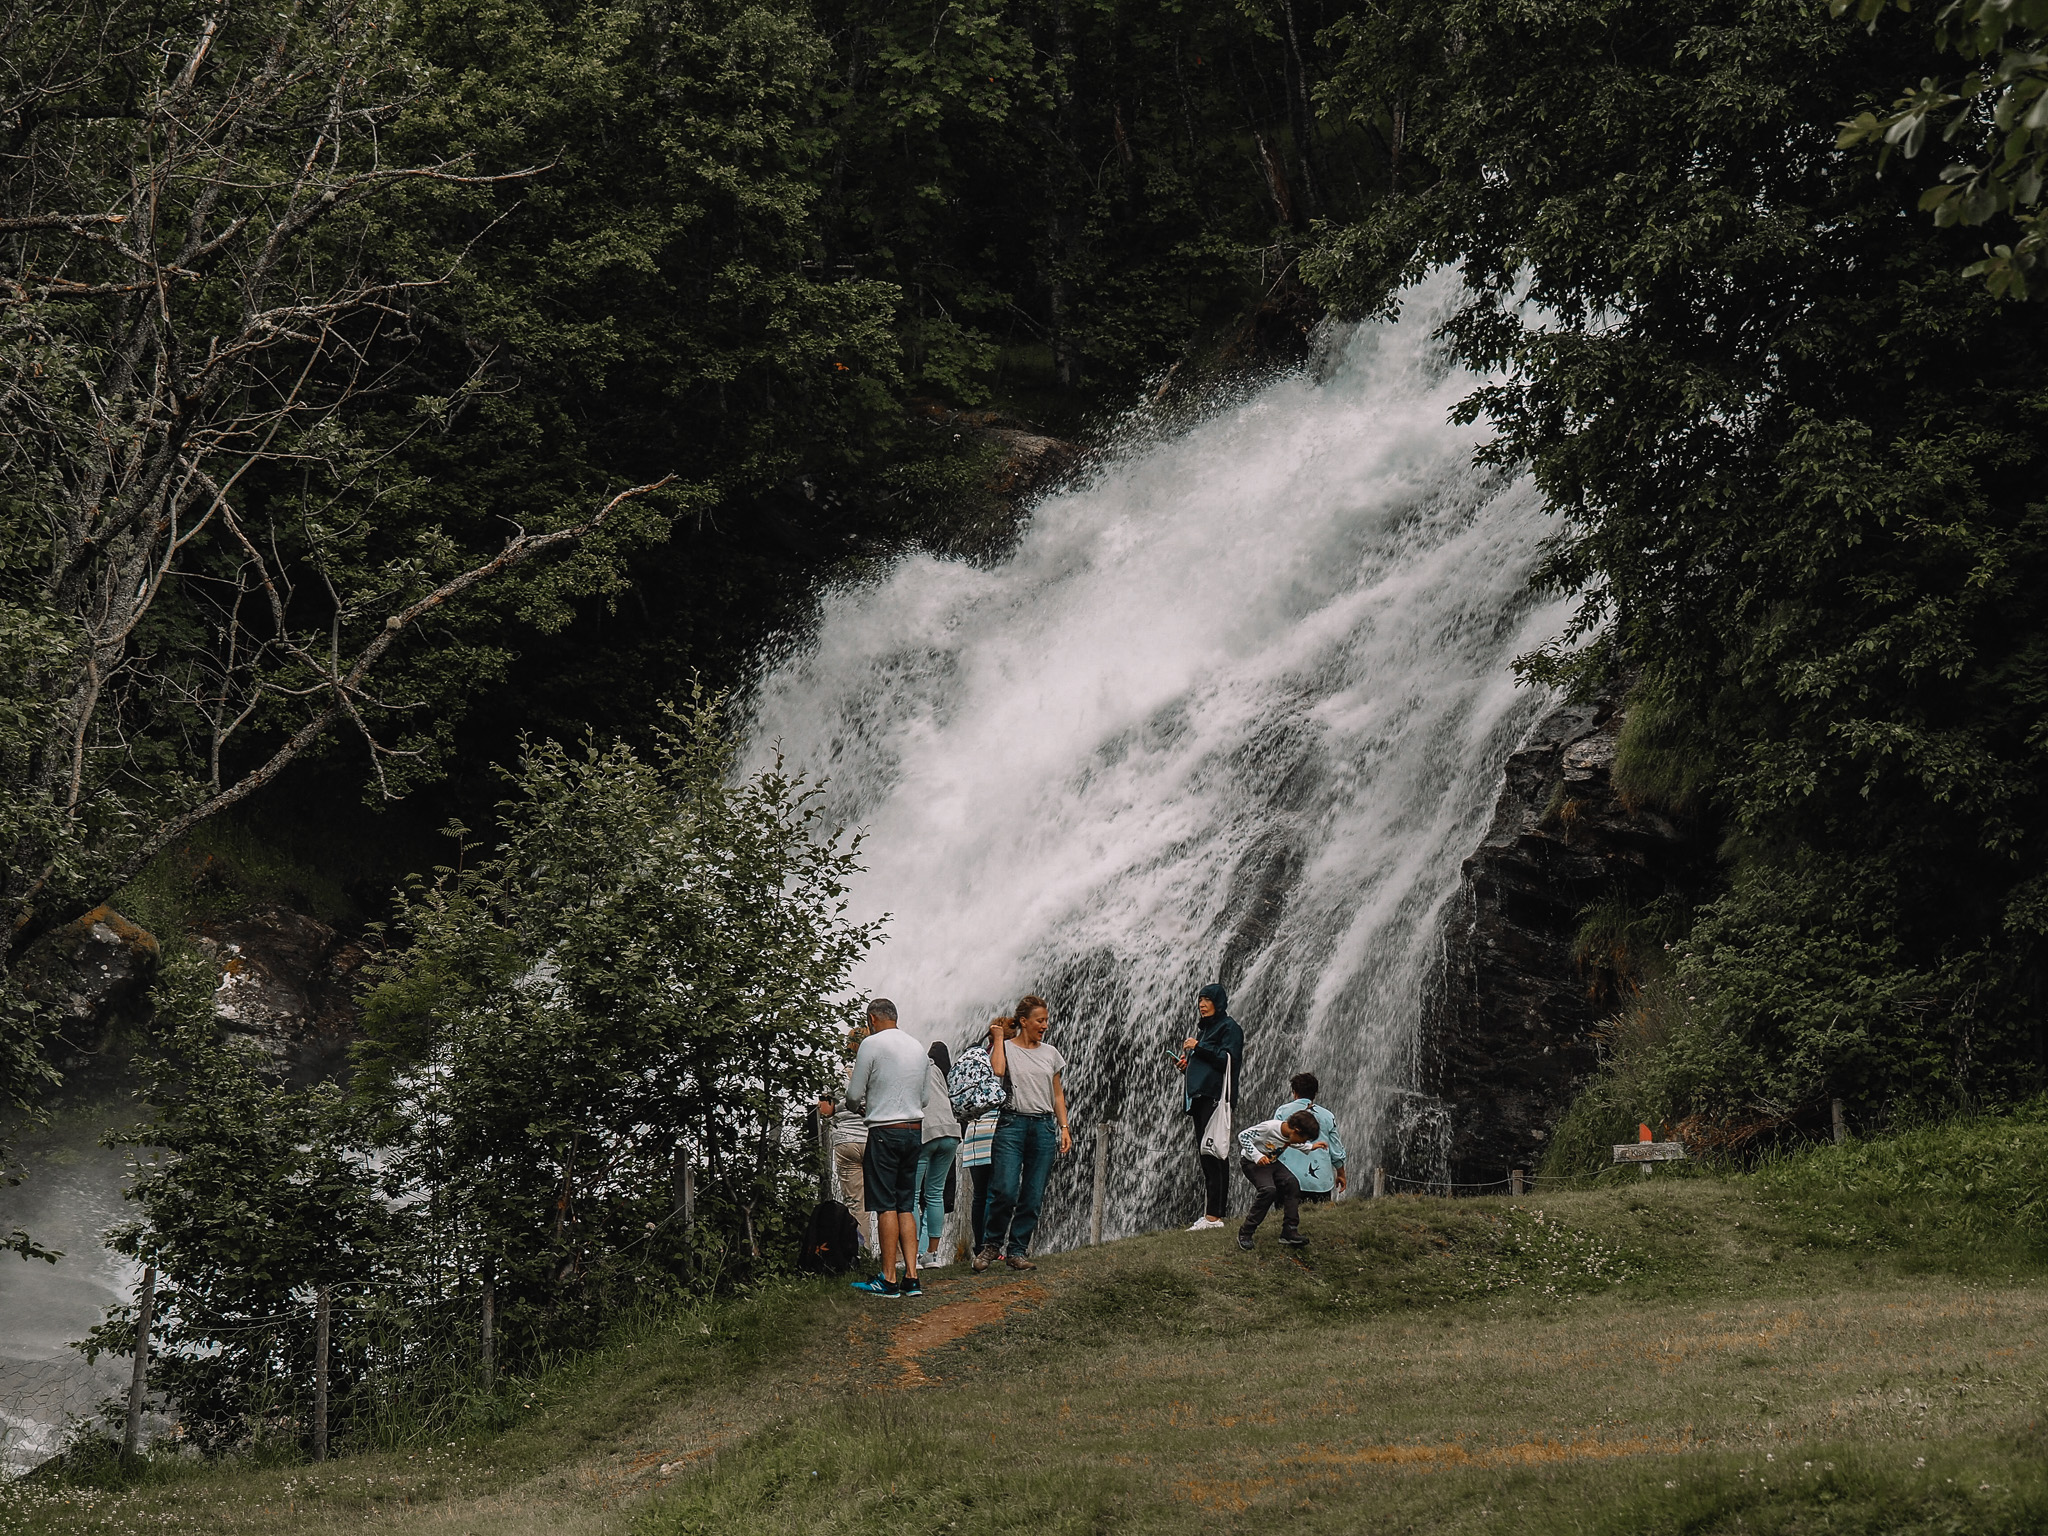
{"points": [[879, 1287]]}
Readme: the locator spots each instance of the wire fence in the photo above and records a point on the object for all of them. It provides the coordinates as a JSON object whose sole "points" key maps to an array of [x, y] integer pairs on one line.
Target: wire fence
{"points": [[1530, 1183], [40, 1401]]}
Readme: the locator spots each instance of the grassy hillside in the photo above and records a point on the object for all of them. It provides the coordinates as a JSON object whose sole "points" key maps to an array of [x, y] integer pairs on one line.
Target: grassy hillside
{"points": [[1847, 1342]]}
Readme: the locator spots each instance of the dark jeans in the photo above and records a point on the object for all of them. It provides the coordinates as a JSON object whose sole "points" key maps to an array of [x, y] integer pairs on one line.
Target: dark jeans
{"points": [[977, 1209], [1273, 1181], [1215, 1170], [1020, 1161]]}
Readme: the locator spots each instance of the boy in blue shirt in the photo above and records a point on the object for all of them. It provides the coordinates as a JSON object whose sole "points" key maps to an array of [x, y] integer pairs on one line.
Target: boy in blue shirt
{"points": [[1318, 1170]]}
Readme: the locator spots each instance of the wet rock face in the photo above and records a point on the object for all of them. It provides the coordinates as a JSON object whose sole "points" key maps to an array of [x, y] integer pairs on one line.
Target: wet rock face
{"points": [[92, 973], [288, 982], [1030, 462], [1514, 1033]]}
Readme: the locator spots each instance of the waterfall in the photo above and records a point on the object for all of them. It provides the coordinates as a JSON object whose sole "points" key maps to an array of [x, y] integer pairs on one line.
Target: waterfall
{"points": [[1236, 707]]}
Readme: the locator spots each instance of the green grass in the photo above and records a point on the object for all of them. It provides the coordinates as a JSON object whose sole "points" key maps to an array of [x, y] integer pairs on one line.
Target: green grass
{"points": [[1849, 1341]]}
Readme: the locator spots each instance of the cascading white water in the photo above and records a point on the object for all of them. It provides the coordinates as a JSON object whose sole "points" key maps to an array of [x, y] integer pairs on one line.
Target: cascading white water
{"points": [[70, 1197], [1238, 706]]}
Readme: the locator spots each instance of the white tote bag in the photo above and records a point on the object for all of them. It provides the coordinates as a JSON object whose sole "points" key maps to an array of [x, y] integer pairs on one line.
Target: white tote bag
{"points": [[1216, 1134]]}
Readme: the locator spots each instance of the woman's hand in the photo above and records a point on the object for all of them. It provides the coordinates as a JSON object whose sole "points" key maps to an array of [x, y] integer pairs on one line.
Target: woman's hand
{"points": [[1066, 1140], [825, 1108]]}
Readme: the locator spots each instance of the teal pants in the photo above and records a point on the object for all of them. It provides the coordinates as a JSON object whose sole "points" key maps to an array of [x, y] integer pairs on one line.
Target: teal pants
{"points": [[932, 1165]]}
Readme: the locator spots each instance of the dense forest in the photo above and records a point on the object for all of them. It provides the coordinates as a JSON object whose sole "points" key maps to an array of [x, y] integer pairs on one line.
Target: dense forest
{"points": [[420, 413]]}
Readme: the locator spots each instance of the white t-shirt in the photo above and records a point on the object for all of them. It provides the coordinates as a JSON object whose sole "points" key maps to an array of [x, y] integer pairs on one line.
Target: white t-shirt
{"points": [[1031, 1074]]}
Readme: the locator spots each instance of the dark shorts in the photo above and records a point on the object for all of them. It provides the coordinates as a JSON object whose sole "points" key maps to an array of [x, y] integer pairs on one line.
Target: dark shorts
{"points": [[889, 1167]]}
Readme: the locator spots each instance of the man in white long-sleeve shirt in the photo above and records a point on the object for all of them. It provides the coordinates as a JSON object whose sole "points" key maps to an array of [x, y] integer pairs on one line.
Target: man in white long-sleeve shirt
{"points": [[888, 1088]]}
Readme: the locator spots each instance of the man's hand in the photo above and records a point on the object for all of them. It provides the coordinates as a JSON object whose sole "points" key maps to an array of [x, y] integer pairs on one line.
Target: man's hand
{"points": [[1265, 1160], [825, 1108], [1066, 1141]]}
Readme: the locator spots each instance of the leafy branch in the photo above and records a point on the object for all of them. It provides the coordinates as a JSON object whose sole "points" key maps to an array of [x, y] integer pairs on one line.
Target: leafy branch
{"points": [[1998, 107]]}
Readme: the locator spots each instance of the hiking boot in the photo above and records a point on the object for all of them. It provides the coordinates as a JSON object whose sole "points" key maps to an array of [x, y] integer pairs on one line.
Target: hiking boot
{"points": [[1246, 1243], [878, 1287], [1294, 1239], [1015, 1262], [983, 1257], [910, 1287]]}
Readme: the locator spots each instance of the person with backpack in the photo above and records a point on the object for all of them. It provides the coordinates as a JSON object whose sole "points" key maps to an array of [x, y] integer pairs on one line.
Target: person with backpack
{"points": [[1213, 1059], [941, 1143], [978, 1095], [1319, 1170]]}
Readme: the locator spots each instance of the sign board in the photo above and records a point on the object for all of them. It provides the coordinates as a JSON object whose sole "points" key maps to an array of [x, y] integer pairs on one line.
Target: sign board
{"points": [[1649, 1152]]}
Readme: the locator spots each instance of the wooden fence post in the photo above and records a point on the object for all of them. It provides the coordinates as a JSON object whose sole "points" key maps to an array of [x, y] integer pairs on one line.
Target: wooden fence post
{"points": [[322, 1321], [1102, 1134], [1514, 1181], [1841, 1123], [489, 1342], [138, 1384], [1379, 1183]]}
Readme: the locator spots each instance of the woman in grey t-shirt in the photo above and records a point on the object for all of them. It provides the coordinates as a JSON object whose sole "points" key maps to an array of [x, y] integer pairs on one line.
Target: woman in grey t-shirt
{"points": [[1030, 1132]]}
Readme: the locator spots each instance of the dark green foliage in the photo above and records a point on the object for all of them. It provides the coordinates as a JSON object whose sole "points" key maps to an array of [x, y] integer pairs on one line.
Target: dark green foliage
{"points": [[1992, 112], [1795, 456]]}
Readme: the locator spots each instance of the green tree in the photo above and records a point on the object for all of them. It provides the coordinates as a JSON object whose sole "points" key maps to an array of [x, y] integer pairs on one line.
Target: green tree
{"points": [[327, 339], [642, 985]]}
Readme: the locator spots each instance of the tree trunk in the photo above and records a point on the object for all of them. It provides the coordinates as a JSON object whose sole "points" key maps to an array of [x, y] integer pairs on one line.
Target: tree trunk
{"points": [[489, 1342]]}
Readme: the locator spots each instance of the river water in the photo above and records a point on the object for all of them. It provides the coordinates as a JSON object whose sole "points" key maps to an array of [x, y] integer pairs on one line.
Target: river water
{"points": [[1236, 707], [69, 1198]]}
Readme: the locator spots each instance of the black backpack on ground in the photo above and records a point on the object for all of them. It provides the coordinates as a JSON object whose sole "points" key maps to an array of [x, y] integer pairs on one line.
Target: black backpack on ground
{"points": [[831, 1243]]}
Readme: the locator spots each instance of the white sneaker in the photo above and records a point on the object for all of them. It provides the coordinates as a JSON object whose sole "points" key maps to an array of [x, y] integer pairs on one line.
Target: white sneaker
{"points": [[932, 1261], [1208, 1224]]}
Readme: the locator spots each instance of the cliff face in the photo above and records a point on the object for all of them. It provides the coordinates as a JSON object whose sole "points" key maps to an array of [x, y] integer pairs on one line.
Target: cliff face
{"points": [[1513, 1036]]}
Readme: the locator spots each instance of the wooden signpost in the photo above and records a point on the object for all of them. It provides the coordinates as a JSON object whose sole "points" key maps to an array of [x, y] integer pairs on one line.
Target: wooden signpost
{"points": [[1648, 1152]]}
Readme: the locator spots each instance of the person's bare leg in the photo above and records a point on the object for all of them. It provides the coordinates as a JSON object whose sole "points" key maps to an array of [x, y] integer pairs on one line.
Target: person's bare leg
{"points": [[899, 1234]]}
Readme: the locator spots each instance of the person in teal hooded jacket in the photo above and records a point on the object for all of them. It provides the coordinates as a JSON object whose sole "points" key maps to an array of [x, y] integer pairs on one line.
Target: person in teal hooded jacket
{"points": [[1217, 1043], [1319, 1170]]}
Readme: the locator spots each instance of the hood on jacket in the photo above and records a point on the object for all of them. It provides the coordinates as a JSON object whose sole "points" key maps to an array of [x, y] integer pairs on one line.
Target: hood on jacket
{"points": [[1215, 993]]}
